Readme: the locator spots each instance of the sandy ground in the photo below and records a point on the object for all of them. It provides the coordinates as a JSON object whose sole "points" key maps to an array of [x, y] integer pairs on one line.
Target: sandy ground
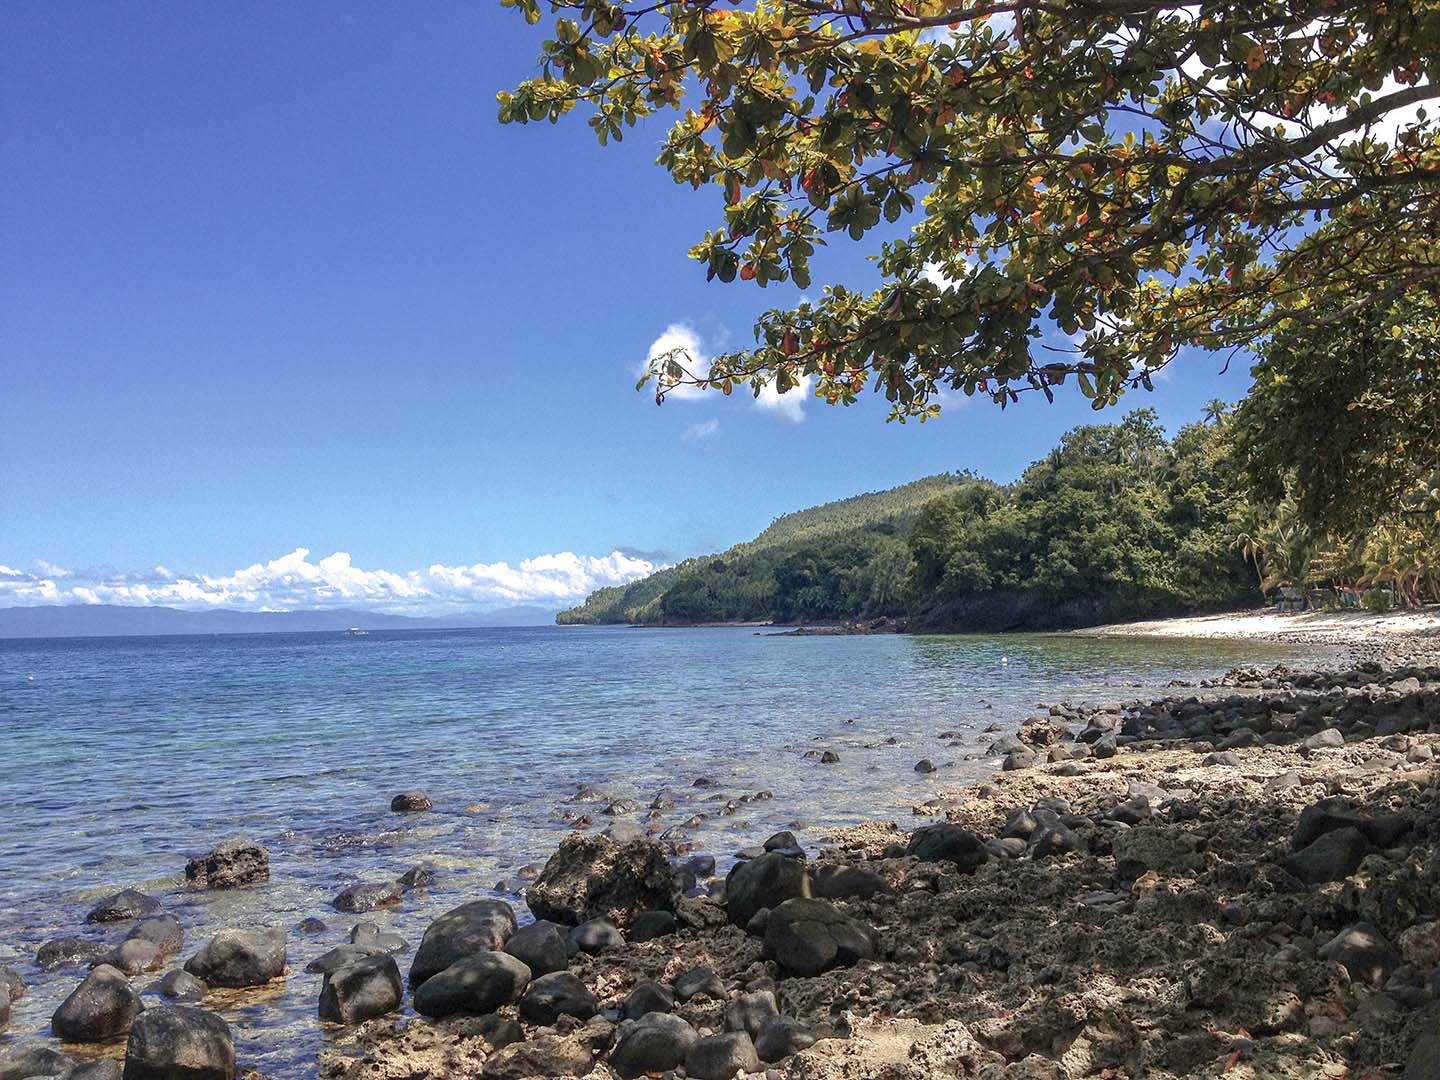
{"points": [[1340, 628]]}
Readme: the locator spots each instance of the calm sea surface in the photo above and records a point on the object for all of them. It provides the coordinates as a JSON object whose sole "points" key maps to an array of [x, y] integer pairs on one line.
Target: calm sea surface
{"points": [[120, 757]]}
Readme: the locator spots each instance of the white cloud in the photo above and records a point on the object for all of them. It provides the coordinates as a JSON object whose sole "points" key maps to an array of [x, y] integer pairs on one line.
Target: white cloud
{"points": [[691, 356], [789, 406], [293, 581], [702, 430]]}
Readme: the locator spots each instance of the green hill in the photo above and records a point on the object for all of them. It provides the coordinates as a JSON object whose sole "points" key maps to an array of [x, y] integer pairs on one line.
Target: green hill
{"points": [[1117, 522], [839, 560]]}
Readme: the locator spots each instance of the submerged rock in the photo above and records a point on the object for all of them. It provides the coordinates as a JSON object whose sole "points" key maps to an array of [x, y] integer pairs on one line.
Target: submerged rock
{"points": [[231, 865], [133, 956], [411, 802], [594, 876], [163, 931], [174, 1042], [367, 896], [100, 1008], [126, 904], [70, 950]]}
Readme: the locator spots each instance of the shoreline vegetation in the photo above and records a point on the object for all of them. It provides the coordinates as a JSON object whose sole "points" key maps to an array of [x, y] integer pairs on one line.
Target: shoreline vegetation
{"points": [[1237, 877], [1118, 524]]}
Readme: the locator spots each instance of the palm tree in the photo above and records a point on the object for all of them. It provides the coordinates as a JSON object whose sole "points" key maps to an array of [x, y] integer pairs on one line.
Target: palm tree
{"points": [[1216, 410]]}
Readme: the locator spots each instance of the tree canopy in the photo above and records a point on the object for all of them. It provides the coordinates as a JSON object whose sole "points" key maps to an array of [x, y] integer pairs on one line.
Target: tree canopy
{"points": [[1145, 176], [1345, 418]]}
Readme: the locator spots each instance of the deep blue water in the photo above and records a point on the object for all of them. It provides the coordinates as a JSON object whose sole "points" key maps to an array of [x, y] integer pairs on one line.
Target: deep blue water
{"points": [[120, 757]]}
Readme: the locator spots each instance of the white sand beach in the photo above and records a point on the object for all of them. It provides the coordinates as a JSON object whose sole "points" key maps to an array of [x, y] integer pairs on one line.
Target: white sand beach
{"points": [[1340, 628]]}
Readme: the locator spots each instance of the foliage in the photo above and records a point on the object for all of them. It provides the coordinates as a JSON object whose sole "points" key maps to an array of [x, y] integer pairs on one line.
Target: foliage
{"points": [[1377, 601], [1346, 419], [1144, 175]]}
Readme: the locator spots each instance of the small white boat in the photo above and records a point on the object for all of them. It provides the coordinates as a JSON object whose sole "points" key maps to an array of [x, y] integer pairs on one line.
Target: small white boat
{"points": [[355, 631]]}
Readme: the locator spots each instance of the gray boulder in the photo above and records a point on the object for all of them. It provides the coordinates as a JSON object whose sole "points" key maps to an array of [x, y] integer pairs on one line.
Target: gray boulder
{"points": [[764, 882], [808, 936], [1331, 857], [830, 882], [477, 927], [781, 1037], [100, 1008], [133, 956], [947, 843], [371, 936], [543, 947], [647, 996], [240, 958], [162, 931], [342, 956], [175, 1042], [750, 1012], [362, 991], [653, 1044], [1330, 815], [476, 984], [720, 1057], [555, 995], [596, 935], [599, 876], [126, 904], [1364, 952], [649, 925], [700, 982], [232, 864]]}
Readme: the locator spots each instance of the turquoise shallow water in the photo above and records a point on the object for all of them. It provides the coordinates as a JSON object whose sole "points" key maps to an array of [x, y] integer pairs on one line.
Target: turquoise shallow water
{"points": [[120, 757]]}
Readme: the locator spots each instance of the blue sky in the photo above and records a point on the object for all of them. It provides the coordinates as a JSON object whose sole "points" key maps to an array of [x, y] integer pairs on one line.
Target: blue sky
{"points": [[274, 278]]}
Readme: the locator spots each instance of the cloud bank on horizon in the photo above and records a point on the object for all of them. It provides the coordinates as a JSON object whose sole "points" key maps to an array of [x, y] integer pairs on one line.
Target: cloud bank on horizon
{"points": [[293, 582]]}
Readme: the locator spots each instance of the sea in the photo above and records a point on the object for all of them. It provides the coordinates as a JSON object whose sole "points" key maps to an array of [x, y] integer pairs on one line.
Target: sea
{"points": [[122, 757]]}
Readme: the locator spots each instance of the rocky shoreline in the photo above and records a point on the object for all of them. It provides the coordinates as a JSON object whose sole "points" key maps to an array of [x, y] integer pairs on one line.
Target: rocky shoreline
{"points": [[1239, 878]]}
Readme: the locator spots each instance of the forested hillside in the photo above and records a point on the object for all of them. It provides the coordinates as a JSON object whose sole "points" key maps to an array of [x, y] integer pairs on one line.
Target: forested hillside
{"points": [[1116, 522], [845, 559]]}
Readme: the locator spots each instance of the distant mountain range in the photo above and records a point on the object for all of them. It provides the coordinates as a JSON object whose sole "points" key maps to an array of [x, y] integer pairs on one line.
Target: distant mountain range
{"points": [[112, 620]]}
